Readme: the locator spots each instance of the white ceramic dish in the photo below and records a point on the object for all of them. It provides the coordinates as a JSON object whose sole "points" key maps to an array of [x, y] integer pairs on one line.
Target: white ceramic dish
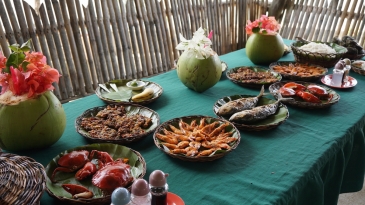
{"points": [[138, 86]]}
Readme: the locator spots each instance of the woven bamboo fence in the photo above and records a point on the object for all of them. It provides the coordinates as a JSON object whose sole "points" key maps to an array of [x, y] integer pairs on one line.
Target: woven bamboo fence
{"points": [[321, 20], [127, 39]]}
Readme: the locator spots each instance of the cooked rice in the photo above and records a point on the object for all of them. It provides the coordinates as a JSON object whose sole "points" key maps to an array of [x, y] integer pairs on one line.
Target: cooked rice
{"points": [[318, 48]]}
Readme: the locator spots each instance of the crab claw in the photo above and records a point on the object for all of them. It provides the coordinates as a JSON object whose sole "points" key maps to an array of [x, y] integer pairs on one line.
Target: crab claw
{"points": [[88, 170], [103, 157], [77, 191]]}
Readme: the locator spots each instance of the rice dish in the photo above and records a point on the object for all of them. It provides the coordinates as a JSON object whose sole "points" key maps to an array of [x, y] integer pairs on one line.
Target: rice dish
{"points": [[318, 48]]}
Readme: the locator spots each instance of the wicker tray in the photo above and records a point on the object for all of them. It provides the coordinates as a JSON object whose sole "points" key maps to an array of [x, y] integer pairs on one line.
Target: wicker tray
{"points": [[257, 83], [131, 110], [325, 60], [116, 151], [295, 77], [271, 122], [189, 119], [356, 68], [298, 102], [127, 93], [22, 180]]}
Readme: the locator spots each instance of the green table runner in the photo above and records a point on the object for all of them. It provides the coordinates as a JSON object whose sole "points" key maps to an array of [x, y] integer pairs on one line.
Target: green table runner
{"points": [[309, 159]]}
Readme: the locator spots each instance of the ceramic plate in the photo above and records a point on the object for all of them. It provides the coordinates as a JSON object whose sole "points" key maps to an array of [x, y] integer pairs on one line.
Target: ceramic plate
{"points": [[327, 80], [243, 76], [173, 199], [124, 94], [269, 123], [177, 125], [298, 71], [131, 109], [299, 102], [136, 161]]}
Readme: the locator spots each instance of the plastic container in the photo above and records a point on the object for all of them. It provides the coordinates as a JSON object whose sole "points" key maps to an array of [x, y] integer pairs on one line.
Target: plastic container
{"points": [[338, 74]]}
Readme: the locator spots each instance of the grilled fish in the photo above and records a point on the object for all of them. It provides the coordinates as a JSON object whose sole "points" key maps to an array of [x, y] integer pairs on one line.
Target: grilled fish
{"points": [[258, 113], [240, 104]]}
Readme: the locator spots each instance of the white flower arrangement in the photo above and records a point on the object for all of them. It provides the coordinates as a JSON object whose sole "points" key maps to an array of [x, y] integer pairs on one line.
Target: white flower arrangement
{"points": [[200, 44]]}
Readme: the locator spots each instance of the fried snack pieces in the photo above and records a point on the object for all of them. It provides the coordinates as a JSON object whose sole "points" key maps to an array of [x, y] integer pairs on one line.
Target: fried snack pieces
{"points": [[114, 123], [298, 69], [196, 139]]}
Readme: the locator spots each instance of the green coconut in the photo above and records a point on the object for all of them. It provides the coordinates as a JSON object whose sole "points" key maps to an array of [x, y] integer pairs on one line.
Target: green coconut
{"points": [[199, 74], [264, 49], [31, 124]]}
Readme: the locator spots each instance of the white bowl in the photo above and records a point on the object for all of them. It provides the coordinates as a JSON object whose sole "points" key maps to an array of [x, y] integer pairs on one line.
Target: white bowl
{"points": [[140, 85]]}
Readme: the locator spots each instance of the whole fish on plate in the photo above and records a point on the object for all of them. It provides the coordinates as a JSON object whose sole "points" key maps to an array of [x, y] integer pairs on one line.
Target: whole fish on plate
{"points": [[259, 112], [240, 104]]}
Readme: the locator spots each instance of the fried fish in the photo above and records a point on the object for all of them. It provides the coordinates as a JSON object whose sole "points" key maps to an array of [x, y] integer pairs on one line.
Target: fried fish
{"points": [[240, 104]]}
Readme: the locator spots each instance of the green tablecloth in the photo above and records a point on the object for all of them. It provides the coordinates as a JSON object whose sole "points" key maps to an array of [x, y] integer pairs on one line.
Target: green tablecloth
{"points": [[309, 159]]}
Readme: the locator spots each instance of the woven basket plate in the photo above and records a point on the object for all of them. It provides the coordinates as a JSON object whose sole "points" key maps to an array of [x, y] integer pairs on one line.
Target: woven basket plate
{"points": [[325, 60], [131, 109], [197, 118], [124, 94], [298, 102], [22, 180], [253, 82], [357, 66], [294, 73], [136, 161], [266, 124]]}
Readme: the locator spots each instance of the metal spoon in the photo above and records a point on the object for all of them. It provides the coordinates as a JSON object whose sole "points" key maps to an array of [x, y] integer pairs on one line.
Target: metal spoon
{"points": [[104, 87]]}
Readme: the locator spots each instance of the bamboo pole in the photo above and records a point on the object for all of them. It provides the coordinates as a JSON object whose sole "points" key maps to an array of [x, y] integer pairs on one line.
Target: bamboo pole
{"points": [[149, 41], [114, 40], [58, 58], [126, 40]]}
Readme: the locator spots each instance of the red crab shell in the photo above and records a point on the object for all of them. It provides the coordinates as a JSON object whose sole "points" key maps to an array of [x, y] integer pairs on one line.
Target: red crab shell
{"points": [[308, 97], [294, 86], [286, 92], [318, 91], [71, 162], [113, 175]]}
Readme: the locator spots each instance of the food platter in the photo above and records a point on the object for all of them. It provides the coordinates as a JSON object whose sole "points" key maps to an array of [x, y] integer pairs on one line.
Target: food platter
{"points": [[124, 93], [322, 59], [188, 147], [299, 102], [252, 76], [358, 66], [55, 190], [270, 122], [292, 70], [349, 83], [110, 130]]}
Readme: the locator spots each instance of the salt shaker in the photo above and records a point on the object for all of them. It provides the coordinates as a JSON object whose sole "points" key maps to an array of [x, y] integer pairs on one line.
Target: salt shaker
{"points": [[158, 187], [120, 196], [140, 193]]}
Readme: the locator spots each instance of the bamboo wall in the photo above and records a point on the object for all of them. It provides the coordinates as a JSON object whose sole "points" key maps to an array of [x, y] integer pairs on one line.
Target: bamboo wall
{"points": [[321, 20], [113, 39]]}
